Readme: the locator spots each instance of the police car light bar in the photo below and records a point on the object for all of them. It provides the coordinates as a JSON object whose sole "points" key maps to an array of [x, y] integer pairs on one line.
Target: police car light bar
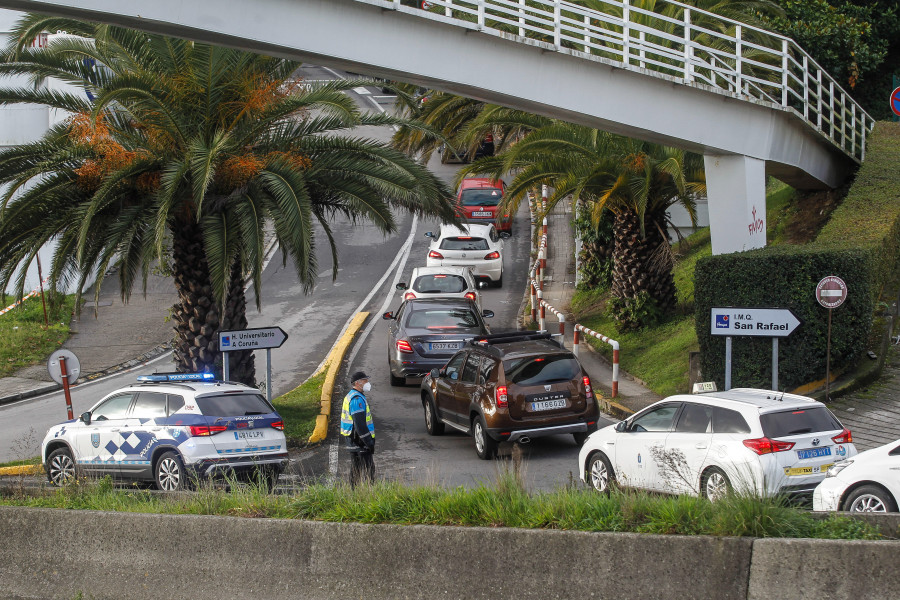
{"points": [[177, 377]]}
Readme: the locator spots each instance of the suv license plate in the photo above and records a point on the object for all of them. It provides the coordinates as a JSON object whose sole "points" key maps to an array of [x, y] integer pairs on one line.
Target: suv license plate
{"points": [[798, 471], [548, 405], [813, 453], [443, 346]]}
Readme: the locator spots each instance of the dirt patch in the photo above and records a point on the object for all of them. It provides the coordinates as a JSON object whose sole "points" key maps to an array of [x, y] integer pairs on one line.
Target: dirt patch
{"points": [[810, 211]]}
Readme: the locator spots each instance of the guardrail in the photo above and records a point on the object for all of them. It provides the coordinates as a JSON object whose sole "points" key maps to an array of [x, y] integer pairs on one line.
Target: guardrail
{"points": [[602, 338], [677, 42]]}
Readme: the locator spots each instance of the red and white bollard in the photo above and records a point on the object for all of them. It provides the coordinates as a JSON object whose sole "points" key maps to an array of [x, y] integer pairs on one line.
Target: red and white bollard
{"points": [[533, 302], [575, 340], [540, 300]]}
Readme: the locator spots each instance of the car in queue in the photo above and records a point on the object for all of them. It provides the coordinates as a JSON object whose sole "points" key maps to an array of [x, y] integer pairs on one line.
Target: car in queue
{"points": [[868, 482], [479, 200], [442, 282], [751, 441], [171, 429], [477, 246], [514, 387], [425, 332]]}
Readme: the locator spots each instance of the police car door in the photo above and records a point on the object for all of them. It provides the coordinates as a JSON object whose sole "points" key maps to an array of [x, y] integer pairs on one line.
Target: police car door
{"points": [[98, 443], [140, 434]]}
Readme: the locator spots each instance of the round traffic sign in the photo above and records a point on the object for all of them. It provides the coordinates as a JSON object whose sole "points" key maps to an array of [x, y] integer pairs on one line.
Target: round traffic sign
{"points": [[426, 5], [831, 291], [73, 367], [895, 101]]}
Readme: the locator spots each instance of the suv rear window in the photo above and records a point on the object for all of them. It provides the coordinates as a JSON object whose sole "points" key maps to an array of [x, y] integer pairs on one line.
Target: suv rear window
{"points": [[464, 243], [233, 405], [537, 370], [796, 422], [481, 197], [440, 284]]}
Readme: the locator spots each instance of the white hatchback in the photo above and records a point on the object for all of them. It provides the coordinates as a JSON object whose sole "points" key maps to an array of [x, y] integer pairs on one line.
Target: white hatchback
{"points": [[442, 282], [477, 246], [870, 482], [753, 441]]}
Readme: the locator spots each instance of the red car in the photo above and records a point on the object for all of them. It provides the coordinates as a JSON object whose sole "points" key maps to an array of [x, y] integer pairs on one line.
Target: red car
{"points": [[479, 201]]}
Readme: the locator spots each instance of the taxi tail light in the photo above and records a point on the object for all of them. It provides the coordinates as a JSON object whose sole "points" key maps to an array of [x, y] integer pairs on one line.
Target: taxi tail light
{"points": [[435, 254], [279, 425], [492, 256], [470, 295], [844, 437], [207, 430], [403, 346], [501, 396], [765, 445], [587, 387], [409, 296]]}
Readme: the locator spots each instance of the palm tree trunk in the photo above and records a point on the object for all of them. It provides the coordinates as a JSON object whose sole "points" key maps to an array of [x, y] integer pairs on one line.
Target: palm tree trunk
{"points": [[197, 316]]}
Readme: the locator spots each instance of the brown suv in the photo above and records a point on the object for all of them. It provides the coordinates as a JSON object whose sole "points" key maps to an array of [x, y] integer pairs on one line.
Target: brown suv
{"points": [[510, 387]]}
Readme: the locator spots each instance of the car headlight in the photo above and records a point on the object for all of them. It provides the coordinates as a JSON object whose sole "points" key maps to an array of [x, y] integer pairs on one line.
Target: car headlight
{"points": [[838, 467]]}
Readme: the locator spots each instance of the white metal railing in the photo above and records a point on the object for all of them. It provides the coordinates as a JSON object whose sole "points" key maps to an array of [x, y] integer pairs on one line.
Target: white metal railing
{"points": [[679, 42]]}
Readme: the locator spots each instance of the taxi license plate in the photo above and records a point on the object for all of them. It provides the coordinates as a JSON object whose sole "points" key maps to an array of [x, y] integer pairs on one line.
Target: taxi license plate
{"points": [[813, 453], [481, 213], [800, 471], [548, 405], [247, 435], [444, 346]]}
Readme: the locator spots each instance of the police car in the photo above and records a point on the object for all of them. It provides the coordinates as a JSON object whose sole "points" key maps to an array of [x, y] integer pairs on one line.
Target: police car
{"points": [[171, 429]]}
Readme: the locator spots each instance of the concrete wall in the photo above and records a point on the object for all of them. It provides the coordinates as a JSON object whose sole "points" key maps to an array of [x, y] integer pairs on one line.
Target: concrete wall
{"points": [[57, 554]]}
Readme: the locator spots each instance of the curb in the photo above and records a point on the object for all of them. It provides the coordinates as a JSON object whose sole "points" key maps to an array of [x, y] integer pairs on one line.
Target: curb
{"points": [[333, 364], [21, 470]]}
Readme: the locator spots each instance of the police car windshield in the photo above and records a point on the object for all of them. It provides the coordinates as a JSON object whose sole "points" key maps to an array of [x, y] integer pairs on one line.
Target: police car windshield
{"points": [[233, 405]]}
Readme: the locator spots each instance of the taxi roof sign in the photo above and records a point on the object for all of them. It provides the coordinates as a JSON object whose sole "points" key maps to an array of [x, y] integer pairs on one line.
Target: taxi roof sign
{"points": [[177, 377]]}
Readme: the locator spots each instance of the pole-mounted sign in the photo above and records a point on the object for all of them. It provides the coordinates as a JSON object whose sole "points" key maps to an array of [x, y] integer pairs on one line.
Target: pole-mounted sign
{"points": [[831, 293], [64, 368], [756, 322], [260, 338]]}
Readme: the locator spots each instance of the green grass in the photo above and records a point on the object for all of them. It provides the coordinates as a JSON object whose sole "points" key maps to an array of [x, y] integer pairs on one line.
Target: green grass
{"points": [[26, 341], [299, 408], [505, 503], [34, 460]]}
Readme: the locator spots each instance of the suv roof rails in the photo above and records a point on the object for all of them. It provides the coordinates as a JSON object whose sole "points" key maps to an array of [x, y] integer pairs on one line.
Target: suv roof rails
{"points": [[509, 337]]}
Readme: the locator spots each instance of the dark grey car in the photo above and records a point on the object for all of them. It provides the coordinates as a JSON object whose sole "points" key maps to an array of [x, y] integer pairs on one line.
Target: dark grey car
{"points": [[425, 332]]}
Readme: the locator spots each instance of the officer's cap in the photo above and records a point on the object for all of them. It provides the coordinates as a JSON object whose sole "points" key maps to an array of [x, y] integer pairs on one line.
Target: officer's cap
{"points": [[357, 376]]}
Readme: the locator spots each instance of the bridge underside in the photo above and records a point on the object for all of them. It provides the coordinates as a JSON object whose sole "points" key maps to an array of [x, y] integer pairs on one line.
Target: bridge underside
{"points": [[370, 39]]}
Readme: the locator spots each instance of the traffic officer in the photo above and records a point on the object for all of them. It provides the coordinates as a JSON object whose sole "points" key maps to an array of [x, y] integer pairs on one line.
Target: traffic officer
{"points": [[358, 429]]}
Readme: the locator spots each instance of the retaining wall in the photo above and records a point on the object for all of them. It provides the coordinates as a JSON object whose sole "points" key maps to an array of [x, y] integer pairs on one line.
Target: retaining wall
{"points": [[47, 553]]}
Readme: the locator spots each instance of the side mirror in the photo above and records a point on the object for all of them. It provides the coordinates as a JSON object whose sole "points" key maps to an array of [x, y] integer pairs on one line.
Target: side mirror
{"points": [[487, 314], [388, 316], [429, 234], [401, 286], [621, 426], [504, 235], [85, 418], [435, 373]]}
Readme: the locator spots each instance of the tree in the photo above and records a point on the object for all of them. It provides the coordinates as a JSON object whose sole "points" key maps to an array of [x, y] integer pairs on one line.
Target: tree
{"points": [[187, 154]]}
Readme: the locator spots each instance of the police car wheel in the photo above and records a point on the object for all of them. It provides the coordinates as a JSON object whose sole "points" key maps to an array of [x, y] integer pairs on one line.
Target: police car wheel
{"points": [[170, 473], [60, 467]]}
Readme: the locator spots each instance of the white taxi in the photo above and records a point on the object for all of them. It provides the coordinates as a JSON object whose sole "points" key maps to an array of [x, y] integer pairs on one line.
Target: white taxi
{"points": [[477, 246], [869, 482], [170, 429]]}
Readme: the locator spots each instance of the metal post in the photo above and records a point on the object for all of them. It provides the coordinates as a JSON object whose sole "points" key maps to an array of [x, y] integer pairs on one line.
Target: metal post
{"points": [[575, 340], [544, 231], [562, 325], [626, 32], [64, 373], [784, 72], [522, 18], [41, 284], [533, 302], [540, 298], [688, 49], [727, 363], [775, 363], [269, 374], [224, 366], [828, 361], [615, 370]]}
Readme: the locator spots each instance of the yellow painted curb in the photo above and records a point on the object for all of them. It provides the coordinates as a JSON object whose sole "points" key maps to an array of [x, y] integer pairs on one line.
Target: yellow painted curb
{"points": [[333, 364], [21, 470]]}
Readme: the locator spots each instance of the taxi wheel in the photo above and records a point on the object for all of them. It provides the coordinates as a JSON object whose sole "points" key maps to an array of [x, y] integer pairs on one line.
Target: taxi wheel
{"points": [[433, 425], [870, 498], [485, 446], [714, 484], [60, 467], [599, 473], [170, 475]]}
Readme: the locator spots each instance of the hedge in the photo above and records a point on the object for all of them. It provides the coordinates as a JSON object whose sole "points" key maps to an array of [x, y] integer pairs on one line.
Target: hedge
{"points": [[860, 244]]}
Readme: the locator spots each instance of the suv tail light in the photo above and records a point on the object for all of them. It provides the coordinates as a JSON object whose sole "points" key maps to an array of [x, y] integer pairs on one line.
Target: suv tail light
{"points": [[435, 254], [844, 437], [206, 430], [403, 346], [765, 445], [470, 295], [409, 296], [587, 387], [501, 396], [279, 425], [492, 256]]}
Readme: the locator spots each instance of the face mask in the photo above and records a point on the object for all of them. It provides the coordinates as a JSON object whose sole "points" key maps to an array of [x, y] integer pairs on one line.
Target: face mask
{"points": [[367, 387]]}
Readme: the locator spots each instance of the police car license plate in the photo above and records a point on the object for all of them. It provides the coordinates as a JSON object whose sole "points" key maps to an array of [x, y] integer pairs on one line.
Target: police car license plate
{"points": [[548, 405], [481, 213], [443, 346], [813, 453], [799, 471], [247, 435]]}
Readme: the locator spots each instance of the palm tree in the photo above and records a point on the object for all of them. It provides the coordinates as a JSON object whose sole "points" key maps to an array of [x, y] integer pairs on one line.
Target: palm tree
{"points": [[188, 154]]}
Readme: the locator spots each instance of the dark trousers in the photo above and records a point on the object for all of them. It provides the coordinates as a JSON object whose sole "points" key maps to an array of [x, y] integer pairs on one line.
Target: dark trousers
{"points": [[362, 467]]}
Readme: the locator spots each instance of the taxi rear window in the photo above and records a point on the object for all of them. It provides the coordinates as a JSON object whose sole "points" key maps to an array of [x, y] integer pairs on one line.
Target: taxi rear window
{"points": [[798, 421], [233, 405]]}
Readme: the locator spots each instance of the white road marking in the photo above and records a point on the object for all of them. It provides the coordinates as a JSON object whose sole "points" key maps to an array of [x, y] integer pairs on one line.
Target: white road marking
{"points": [[361, 91]]}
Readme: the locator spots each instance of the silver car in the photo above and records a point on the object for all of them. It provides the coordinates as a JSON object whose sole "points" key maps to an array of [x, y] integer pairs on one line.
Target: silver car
{"points": [[442, 282]]}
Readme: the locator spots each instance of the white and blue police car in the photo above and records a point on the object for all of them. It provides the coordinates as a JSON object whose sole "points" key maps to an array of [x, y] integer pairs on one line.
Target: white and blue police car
{"points": [[171, 429]]}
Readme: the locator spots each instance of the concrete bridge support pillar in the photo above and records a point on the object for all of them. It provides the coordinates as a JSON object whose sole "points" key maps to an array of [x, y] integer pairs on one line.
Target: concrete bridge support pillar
{"points": [[736, 188]]}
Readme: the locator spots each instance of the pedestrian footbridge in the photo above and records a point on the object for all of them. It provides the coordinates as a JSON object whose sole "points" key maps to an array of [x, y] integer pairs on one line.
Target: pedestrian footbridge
{"points": [[752, 102]]}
